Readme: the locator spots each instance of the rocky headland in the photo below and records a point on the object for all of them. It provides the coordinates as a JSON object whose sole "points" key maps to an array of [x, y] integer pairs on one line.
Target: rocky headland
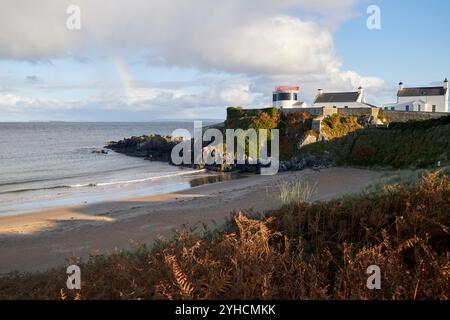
{"points": [[155, 147]]}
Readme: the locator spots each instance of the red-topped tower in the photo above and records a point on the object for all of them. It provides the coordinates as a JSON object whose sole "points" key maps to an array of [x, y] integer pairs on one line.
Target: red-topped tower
{"points": [[285, 97]]}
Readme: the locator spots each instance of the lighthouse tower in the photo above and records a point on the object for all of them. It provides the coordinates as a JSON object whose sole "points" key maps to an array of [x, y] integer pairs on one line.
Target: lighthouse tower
{"points": [[285, 97]]}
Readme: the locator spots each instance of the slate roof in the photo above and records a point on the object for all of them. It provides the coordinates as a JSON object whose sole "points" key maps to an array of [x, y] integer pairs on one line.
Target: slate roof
{"points": [[337, 97], [422, 92]]}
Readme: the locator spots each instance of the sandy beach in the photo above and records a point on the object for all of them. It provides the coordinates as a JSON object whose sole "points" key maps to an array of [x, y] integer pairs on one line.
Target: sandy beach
{"points": [[40, 240]]}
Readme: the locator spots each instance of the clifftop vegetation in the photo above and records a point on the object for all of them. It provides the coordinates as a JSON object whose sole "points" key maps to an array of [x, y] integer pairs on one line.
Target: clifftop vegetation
{"points": [[417, 144], [349, 141], [292, 126], [238, 118], [336, 126]]}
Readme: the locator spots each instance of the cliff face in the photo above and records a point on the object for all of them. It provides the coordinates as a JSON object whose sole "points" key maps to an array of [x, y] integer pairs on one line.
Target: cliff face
{"points": [[153, 147]]}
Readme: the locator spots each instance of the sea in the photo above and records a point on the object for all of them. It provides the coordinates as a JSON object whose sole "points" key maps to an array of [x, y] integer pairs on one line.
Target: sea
{"points": [[51, 164]]}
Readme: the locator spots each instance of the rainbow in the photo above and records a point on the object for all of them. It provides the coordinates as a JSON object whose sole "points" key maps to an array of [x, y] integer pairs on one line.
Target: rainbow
{"points": [[125, 77]]}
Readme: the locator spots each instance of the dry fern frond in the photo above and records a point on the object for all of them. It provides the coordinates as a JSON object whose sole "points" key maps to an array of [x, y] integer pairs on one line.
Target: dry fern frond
{"points": [[63, 294], [186, 287]]}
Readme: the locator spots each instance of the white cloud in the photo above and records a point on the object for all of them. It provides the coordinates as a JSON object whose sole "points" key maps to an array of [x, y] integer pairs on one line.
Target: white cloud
{"points": [[148, 103], [276, 45], [264, 42], [180, 31]]}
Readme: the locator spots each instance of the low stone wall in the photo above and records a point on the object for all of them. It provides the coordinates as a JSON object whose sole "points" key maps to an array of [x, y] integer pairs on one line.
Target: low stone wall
{"points": [[405, 116], [358, 112], [329, 111], [315, 112]]}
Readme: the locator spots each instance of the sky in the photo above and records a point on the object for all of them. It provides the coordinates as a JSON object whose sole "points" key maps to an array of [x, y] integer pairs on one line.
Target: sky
{"points": [[144, 60]]}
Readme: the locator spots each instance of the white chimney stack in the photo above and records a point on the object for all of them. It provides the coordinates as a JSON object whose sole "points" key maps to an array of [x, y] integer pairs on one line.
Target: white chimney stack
{"points": [[400, 86], [446, 83], [320, 91], [361, 95]]}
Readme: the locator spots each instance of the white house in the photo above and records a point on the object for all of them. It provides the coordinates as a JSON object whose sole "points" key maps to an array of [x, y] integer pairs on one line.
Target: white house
{"points": [[427, 99], [341, 99]]}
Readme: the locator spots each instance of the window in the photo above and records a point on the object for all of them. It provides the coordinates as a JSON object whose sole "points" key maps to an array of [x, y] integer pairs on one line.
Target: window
{"points": [[433, 108], [287, 96], [420, 108], [407, 108], [386, 108], [346, 107], [393, 108], [275, 97]]}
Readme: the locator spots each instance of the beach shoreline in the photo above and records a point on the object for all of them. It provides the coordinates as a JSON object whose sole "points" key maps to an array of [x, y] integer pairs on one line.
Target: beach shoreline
{"points": [[41, 240], [71, 196]]}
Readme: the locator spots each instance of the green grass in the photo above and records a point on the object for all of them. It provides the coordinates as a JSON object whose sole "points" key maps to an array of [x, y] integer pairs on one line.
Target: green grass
{"points": [[406, 145], [336, 126]]}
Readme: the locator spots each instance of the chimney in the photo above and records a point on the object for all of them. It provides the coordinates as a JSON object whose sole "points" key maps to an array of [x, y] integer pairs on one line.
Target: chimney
{"points": [[400, 86], [320, 91], [445, 83], [361, 94]]}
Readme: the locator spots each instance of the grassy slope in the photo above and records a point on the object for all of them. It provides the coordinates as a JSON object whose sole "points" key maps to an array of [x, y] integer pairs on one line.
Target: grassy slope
{"points": [[418, 144], [415, 144], [293, 127], [335, 126], [301, 251]]}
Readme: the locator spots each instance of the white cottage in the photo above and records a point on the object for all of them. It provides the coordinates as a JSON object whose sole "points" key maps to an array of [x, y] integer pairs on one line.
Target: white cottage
{"points": [[341, 99], [426, 99]]}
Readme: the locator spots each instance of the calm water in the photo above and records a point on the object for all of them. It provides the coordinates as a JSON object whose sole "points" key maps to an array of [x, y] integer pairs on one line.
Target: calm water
{"points": [[50, 164]]}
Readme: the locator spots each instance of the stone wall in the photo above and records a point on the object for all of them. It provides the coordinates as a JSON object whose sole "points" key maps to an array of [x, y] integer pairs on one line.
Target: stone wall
{"points": [[404, 116], [358, 112], [327, 111], [315, 112]]}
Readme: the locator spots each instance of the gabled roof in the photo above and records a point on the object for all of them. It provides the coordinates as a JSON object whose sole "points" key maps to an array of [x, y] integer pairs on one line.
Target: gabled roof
{"points": [[337, 97], [422, 92]]}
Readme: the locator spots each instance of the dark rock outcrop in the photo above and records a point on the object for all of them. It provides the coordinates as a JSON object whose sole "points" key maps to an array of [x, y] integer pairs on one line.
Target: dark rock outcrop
{"points": [[305, 162], [159, 148], [100, 151], [153, 147]]}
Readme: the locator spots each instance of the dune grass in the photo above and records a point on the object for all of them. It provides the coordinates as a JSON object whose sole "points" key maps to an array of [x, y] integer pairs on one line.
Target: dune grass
{"points": [[295, 192]]}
